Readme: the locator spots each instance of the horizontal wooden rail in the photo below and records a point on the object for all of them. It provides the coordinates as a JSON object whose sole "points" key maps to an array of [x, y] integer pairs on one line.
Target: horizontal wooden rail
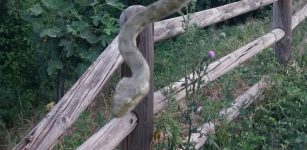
{"points": [[50, 130], [174, 26], [241, 102], [216, 69]]}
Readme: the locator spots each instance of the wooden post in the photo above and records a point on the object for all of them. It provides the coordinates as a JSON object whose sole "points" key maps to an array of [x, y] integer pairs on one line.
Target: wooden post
{"points": [[140, 138], [282, 18]]}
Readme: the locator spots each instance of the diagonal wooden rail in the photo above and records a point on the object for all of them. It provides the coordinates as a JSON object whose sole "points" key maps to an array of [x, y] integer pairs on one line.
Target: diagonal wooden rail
{"points": [[241, 102]]}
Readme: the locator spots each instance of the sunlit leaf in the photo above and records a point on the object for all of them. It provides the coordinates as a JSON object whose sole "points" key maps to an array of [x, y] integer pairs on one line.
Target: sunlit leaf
{"points": [[53, 4], [51, 32], [86, 2], [115, 4], [36, 9]]}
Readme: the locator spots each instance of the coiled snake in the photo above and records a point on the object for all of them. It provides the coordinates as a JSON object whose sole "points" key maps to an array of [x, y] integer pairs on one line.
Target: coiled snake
{"points": [[130, 90]]}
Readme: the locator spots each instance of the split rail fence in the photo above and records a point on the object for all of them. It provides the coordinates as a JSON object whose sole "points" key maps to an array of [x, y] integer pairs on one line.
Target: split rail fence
{"points": [[134, 130]]}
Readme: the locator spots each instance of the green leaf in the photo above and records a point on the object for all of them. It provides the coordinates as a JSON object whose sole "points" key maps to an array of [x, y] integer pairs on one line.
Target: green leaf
{"points": [[69, 49], [88, 56], [71, 30], [115, 4], [53, 65], [67, 6], [36, 9], [86, 2], [80, 25], [96, 20], [110, 28], [53, 4], [89, 36], [64, 42], [80, 69], [51, 32]]}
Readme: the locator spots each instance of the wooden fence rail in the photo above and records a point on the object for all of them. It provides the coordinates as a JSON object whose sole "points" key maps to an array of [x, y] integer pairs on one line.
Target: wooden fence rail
{"points": [[241, 102], [172, 27], [50, 130]]}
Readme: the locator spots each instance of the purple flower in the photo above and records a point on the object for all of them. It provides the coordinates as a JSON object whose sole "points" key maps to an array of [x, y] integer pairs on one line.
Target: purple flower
{"points": [[211, 54]]}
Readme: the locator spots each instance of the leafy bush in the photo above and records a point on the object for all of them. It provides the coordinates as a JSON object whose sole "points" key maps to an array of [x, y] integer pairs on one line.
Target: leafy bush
{"points": [[73, 29], [16, 62], [71, 34], [68, 35]]}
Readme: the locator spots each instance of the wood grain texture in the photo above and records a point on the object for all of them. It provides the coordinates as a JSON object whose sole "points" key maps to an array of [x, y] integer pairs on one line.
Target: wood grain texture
{"points": [[174, 26], [282, 18], [140, 137], [241, 102], [110, 135]]}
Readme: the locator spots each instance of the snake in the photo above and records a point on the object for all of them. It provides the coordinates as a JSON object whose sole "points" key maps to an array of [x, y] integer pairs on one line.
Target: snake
{"points": [[131, 90]]}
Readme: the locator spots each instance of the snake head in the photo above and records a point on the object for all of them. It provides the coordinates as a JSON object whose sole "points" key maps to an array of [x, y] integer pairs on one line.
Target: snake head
{"points": [[127, 95]]}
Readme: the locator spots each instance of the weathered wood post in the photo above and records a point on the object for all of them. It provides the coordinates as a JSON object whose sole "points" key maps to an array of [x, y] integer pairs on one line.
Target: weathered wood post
{"points": [[282, 18], [140, 138]]}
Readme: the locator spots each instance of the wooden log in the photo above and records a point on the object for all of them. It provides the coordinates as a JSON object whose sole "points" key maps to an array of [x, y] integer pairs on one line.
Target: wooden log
{"points": [[242, 102], [299, 17], [174, 26], [111, 134], [282, 17], [141, 136]]}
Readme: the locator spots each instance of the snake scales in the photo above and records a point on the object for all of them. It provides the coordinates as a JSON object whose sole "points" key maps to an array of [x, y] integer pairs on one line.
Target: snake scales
{"points": [[130, 90]]}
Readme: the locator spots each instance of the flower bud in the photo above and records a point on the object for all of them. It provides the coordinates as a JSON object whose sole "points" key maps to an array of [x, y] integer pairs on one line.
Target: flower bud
{"points": [[211, 54]]}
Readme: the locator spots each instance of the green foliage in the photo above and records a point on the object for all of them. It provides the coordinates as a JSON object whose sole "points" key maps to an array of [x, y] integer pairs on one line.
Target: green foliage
{"points": [[166, 123], [16, 64], [67, 36], [67, 30]]}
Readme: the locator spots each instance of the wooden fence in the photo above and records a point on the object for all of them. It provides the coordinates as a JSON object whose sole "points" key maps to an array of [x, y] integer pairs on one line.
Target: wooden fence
{"points": [[50, 130]]}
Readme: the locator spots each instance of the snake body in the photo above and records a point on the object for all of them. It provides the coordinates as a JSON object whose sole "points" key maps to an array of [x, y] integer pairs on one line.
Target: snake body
{"points": [[130, 90]]}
